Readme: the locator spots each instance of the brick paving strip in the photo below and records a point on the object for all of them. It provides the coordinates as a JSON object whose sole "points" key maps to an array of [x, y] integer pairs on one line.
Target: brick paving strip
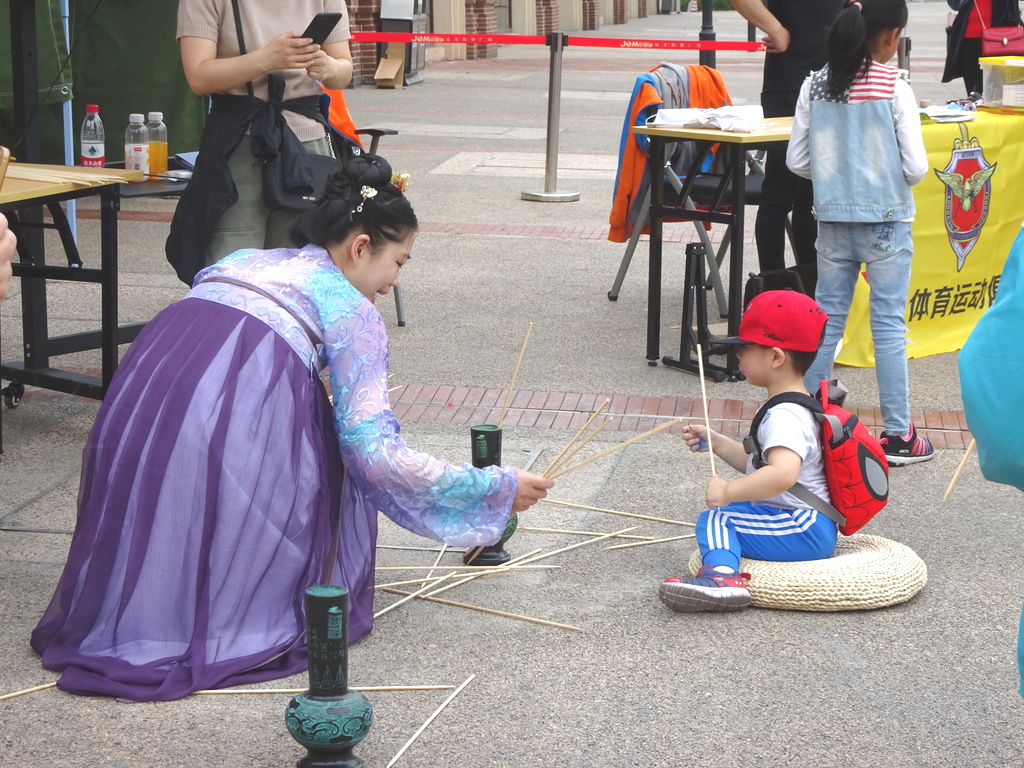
{"points": [[628, 413], [684, 235], [449, 404]]}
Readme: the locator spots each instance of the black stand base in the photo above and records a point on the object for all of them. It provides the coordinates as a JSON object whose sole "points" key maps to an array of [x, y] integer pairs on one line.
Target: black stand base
{"points": [[695, 330], [344, 759], [489, 556]]}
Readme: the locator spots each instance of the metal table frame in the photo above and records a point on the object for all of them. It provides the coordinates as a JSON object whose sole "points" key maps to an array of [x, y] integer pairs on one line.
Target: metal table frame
{"points": [[24, 209], [727, 207]]}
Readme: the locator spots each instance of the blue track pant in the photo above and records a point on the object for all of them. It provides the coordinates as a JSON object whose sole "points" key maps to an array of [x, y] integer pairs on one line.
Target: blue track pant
{"points": [[762, 532]]}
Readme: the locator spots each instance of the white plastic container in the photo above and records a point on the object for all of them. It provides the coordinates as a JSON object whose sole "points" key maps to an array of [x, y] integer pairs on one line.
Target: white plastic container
{"points": [[136, 145], [1003, 80]]}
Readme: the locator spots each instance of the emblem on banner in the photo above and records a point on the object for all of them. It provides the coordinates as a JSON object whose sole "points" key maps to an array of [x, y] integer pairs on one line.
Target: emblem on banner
{"points": [[968, 193]]}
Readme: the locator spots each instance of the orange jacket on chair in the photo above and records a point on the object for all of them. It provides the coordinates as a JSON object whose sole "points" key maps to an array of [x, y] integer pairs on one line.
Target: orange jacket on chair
{"points": [[706, 91]]}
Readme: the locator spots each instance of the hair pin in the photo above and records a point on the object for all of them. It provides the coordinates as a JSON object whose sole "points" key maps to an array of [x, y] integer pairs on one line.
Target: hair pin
{"points": [[367, 193]]}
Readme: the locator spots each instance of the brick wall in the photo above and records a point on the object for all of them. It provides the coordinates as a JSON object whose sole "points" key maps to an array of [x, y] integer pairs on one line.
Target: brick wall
{"points": [[364, 16], [641, 9], [547, 16], [619, 14], [481, 20], [591, 14]]}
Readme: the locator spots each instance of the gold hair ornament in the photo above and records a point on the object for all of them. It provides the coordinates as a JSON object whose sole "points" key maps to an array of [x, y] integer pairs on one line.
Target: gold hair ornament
{"points": [[400, 180]]}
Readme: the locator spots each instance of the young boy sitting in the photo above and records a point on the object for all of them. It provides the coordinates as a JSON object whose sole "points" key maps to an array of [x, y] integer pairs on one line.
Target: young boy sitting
{"points": [[778, 338]]}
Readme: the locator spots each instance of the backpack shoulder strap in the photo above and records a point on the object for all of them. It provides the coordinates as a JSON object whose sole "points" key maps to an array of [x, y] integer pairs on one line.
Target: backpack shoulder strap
{"points": [[751, 443], [753, 447]]}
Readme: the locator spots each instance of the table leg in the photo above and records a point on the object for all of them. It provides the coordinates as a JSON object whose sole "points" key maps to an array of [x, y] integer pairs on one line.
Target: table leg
{"points": [[110, 204], [656, 164], [737, 166]]}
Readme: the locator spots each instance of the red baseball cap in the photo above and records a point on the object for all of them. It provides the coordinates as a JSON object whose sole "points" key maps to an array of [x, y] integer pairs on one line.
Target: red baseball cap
{"points": [[784, 319]]}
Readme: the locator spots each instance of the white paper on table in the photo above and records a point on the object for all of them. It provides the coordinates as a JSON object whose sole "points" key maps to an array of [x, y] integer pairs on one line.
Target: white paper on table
{"points": [[735, 119], [943, 114]]}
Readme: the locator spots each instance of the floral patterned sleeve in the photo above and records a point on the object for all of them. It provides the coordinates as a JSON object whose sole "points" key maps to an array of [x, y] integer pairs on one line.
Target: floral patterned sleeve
{"points": [[460, 505]]}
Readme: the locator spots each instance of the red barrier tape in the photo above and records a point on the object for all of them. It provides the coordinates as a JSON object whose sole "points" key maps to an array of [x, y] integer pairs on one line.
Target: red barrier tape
{"points": [[405, 37], [584, 42], [689, 45]]}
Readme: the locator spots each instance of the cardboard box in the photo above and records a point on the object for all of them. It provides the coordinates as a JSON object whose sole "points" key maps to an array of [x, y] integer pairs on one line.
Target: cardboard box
{"points": [[391, 69]]}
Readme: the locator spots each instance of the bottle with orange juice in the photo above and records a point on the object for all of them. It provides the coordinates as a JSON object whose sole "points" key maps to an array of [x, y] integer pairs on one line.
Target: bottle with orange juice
{"points": [[157, 143]]}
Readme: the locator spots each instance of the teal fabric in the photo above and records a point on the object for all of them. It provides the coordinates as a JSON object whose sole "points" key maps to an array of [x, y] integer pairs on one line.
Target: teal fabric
{"points": [[992, 376]]}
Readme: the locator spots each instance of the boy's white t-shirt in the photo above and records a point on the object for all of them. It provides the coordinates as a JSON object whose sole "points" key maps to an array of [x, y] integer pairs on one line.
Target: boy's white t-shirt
{"points": [[792, 426]]}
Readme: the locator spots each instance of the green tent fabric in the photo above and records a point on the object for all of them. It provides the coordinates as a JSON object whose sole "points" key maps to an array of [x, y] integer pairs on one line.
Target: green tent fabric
{"points": [[125, 58]]}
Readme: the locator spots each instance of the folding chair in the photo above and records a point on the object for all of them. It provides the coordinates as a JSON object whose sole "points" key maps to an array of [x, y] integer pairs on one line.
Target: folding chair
{"points": [[662, 87]]}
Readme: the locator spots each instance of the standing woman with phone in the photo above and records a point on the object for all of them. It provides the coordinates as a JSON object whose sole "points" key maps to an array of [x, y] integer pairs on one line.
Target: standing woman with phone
{"points": [[264, 94]]}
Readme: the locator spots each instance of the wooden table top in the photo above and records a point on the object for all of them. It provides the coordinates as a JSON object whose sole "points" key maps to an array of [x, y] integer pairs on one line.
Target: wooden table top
{"points": [[778, 129], [23, 190]]}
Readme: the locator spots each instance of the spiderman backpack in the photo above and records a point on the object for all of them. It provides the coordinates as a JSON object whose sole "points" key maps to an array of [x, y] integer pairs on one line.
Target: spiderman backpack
{"points": [[855, 465]]}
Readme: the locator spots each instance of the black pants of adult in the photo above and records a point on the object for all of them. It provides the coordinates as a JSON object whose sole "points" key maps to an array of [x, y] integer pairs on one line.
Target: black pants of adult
{"points": [[970, 51], [783, 194]]}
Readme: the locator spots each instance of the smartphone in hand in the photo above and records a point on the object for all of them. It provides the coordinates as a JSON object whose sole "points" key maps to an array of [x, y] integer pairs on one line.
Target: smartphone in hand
{"points": [[321, 26]]}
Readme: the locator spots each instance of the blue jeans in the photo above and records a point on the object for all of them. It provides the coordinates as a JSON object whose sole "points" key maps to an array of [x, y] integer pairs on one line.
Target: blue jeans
{"points": [[885, 250]]}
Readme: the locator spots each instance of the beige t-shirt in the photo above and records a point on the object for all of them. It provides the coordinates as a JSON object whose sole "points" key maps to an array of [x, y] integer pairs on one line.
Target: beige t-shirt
{"points": [[262, 21]]}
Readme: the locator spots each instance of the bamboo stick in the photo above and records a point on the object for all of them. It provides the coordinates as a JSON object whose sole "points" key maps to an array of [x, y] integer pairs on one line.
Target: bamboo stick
{"points": [[578, 545], [490, 611], [472, 555], [437, 711], [582, 444], [438, 560], [576, 437], [69, 175], [417, 593], [429, 567], [959, 469], [293, 691], [27, 690], [514, 563], [583, 533], [515, 373], [617, 512], [654, 541], [436, 579], [704, 399], [619, 447]]}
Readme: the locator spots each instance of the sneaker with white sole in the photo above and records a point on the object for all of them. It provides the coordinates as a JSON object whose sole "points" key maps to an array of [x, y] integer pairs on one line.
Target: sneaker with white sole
{"points": [[901, 451], [709, 590]]}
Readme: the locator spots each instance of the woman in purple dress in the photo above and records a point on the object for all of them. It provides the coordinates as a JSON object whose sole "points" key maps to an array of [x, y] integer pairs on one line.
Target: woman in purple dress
{"points": [[219, 482]]}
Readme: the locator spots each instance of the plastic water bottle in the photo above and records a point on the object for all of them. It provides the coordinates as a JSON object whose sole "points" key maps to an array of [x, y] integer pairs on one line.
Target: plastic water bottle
{"points": [[157, 143], [136, 145], [92, 138]]}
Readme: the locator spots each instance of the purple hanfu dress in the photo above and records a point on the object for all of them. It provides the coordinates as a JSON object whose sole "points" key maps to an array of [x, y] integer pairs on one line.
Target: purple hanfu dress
{"points": [[218, 484]]}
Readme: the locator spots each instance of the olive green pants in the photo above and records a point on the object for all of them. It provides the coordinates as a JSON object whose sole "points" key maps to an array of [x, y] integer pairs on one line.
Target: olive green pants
{"points": [[249, 223]]}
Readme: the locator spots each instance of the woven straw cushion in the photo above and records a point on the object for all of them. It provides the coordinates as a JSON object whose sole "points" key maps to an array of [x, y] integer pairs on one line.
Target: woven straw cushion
{"points": [[864, 572]]}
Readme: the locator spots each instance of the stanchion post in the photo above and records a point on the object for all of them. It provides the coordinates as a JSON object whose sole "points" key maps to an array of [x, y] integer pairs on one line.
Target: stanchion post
{"points": [[707, 32], [556, 41]]}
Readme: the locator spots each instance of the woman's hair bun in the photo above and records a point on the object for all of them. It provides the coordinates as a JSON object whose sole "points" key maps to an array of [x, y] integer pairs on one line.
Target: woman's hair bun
{"points": [[367, 170]]}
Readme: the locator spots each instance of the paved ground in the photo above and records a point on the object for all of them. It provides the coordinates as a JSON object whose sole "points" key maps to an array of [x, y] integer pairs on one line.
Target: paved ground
{"points": [[931, 682]]}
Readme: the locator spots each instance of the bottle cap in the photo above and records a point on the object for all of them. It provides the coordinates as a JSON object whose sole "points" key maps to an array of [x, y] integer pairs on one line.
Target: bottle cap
{"points": [[135, 117], [156, 117], [92, 108]]}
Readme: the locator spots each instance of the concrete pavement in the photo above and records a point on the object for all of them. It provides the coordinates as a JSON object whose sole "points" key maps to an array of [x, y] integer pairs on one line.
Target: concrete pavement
{"points": [[928, 683]]}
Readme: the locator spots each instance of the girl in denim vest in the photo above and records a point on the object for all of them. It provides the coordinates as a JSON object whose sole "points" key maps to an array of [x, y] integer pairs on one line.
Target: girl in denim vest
{"points": [[857, 136]]}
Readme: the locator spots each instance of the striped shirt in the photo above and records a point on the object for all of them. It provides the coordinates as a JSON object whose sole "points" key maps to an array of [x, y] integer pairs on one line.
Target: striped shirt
{"points": [[874, 81]]}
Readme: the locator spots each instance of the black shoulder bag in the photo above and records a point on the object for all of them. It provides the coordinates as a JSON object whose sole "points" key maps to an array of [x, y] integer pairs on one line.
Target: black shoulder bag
{"points": [[277, 193]]}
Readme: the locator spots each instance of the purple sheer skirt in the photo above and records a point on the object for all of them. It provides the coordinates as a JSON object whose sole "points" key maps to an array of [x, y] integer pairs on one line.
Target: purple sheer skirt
{"points": [[210, 498]]}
